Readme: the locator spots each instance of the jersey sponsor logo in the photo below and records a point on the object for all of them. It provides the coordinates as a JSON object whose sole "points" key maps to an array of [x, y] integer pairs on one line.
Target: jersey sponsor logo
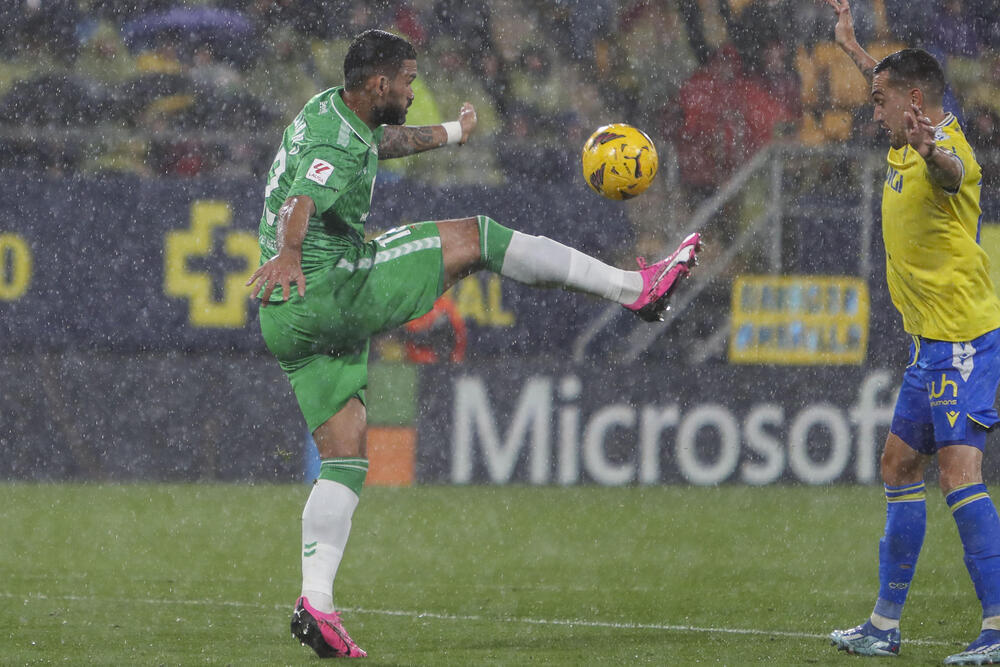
{"points": [[319, 171], [894, 180]]}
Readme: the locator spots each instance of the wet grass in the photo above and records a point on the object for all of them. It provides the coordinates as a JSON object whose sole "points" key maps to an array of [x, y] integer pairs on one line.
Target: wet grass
{"points": [[195, 574]]}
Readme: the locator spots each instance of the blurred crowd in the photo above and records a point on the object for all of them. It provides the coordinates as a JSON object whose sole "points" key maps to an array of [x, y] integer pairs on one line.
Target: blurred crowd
{"points": [[161, 87]]}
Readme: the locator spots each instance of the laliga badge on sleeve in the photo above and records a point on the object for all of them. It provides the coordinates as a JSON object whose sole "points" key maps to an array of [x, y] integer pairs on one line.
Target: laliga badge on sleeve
{"points": [[319, 171]]}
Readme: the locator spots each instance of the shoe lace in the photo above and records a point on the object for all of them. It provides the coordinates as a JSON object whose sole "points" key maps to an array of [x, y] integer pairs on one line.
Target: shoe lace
{"points": [[642, 263]]}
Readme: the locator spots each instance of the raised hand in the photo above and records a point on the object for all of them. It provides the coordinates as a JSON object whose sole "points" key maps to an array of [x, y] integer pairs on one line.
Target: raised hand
{"points": [[919, 131], [843, 32], [467, 119]]}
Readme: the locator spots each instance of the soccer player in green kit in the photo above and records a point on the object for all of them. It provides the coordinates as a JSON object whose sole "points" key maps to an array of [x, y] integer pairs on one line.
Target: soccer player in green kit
{"points": [[346, 290]]}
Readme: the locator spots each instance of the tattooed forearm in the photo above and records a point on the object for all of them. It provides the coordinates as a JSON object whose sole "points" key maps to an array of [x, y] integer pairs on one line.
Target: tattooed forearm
{"points": [[401, 140], [866, 64], [868, 73], [862, 59]]}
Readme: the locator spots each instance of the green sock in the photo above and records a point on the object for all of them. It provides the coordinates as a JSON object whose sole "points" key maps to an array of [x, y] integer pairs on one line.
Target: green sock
{"points": [[350, 472], [493, 241]]}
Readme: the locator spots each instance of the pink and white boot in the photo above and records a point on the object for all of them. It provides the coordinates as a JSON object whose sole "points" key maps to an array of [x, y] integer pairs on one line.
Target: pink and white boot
{"points": [[660, 279], [323, 633]]}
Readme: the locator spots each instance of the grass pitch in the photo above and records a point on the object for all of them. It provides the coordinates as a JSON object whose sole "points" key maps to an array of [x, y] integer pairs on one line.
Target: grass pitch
{"points": [[195, 574]]}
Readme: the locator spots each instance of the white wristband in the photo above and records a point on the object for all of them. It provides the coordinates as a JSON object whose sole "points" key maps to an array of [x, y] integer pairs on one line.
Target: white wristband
{"points": [[454, 130]]}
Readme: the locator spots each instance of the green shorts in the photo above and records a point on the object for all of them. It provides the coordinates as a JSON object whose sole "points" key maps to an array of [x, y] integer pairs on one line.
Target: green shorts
{"points": [[321, 340]]}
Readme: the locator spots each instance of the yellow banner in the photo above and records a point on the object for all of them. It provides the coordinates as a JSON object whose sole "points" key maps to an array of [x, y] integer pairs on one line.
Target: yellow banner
{"points": [[795, 320]]}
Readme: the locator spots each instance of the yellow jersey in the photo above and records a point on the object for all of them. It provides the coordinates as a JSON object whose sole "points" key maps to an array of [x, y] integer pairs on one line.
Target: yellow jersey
{"points": [[938, 275]]}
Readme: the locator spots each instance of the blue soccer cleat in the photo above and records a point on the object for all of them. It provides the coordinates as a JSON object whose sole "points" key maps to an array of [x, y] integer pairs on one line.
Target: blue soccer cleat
{"points": [[866, 639], [985, 650]]}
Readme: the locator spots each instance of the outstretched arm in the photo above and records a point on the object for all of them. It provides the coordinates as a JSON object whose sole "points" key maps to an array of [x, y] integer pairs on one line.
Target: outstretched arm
{"points": [[843, 33], [403, 140]]}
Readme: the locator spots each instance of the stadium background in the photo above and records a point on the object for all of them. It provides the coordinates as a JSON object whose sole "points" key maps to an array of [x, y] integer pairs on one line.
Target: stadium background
{"points": [[134, 140]]}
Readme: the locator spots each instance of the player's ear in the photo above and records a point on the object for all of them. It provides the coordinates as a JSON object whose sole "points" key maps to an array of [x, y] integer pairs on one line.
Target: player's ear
{"points": [[917, 97], [376, 84]]}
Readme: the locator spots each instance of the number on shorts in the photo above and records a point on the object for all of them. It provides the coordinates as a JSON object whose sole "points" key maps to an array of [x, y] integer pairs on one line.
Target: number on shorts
{"points": [[392, 235]]}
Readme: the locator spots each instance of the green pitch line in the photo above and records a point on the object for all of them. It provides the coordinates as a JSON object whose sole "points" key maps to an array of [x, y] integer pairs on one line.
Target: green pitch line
{"points": [[181, 574]]}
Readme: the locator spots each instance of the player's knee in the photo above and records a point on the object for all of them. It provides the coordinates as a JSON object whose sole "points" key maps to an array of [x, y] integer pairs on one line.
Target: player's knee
{"points": [[460, 238], [900, 464], [887, 466], [952, 479], [959, 465]]}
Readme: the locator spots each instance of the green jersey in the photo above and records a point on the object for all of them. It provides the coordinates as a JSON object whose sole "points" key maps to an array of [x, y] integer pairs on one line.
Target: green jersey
{"points": [[331, 156]]}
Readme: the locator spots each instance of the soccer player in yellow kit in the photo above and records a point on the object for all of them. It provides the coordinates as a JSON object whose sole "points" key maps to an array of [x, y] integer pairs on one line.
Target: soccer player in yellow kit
{"points": [[938, 278]]}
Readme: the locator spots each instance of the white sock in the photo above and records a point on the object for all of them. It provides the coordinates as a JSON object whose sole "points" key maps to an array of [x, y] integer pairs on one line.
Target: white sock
{"points": [[540, 261], [326, 524], [884, 622]]}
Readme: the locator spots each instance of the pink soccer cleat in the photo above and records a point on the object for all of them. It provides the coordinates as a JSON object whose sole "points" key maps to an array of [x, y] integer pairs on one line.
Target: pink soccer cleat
{"points": [[660, 279], [323, 633]]}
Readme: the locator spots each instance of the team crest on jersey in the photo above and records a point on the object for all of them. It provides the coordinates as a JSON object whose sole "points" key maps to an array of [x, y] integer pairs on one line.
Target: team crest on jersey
{"points": [[319, 171], [939, 135]]}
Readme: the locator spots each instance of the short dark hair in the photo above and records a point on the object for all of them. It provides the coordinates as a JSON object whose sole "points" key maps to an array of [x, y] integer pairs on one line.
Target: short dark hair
{"points": [[375, 52], [915, 68]]}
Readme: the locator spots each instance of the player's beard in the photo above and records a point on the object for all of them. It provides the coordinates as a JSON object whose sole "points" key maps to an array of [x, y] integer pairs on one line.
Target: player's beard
{"points": [[390, 114], [896, 140]]}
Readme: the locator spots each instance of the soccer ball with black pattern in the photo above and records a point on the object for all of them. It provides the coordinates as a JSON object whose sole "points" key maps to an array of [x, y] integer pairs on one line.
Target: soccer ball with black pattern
{"points": [[619, 161]]}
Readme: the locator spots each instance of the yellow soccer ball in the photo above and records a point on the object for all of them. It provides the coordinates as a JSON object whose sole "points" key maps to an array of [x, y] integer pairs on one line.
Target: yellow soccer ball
{"points": [[619, 161]]}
